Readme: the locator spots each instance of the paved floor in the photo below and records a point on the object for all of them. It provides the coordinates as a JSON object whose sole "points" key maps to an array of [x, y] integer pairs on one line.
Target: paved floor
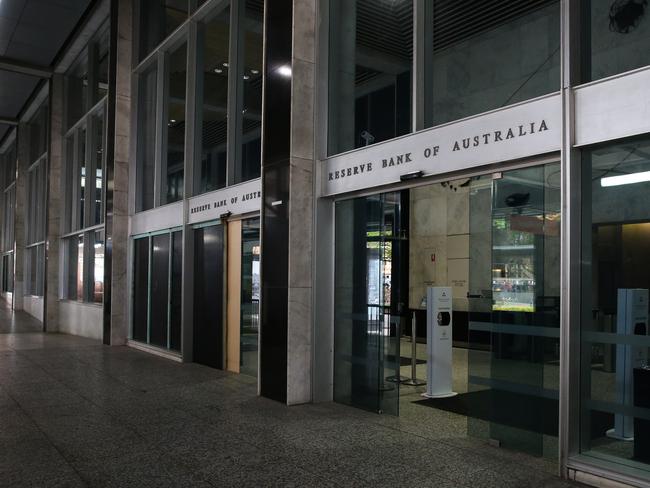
{"points": [[76, 413]]}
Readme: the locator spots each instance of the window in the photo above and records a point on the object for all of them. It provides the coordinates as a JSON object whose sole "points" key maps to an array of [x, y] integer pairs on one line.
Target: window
{"points": [[82, 244], [371, 51], [212, 99], [615, 381], [175, 106], [158, 19], [86, 82], [8, 187], [157, 287], [509, 53], [225, 100], [616, 36], [250, 296], [248, 162], [146, 138], [37, 131]]}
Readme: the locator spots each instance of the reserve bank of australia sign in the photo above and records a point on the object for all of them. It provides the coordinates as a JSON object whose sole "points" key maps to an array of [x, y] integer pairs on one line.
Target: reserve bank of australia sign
{"points": [[524, 130]]}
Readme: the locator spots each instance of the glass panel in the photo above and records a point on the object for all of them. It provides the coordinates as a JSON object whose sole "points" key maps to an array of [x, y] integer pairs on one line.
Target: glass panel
{"points": [[369, 301], [146, 138], [176, 83], [98, 267], [72, 252], [98, 154], [250, 296], [140, 289], [159, 290], [158, 19], [38, 134], [509, 53], [68, 196], [102, 69], [514, 309], [79, 263], [371, 46], [76, 87], [81, 178], [616, 37], [175, 312], [615, 394], [212, 102], [249, 160]]}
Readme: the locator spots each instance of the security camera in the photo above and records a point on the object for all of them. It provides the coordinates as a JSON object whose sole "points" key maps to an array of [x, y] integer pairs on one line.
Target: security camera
{"points": [[367, 137]]}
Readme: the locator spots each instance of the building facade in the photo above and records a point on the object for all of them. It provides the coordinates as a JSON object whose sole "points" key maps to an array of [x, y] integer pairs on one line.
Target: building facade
{"points": [[280, 189]]}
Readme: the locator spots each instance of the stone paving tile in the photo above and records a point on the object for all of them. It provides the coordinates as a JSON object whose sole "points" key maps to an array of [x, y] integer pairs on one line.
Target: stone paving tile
{"points": [[75, 413]]}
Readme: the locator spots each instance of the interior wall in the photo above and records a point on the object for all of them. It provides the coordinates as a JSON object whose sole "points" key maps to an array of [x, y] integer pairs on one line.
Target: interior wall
{"points": [[439, 243]]}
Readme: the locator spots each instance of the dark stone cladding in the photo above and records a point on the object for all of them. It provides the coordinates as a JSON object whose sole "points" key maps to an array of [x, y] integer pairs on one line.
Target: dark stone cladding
{"points": [[275, 199]]}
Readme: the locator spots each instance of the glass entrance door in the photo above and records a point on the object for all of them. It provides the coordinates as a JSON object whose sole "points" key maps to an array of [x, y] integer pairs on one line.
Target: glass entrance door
{"points": [[514, 309], [370, 299]]}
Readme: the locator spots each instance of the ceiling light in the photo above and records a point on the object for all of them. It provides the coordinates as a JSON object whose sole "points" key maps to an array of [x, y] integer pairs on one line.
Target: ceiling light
{"points": [[246, 77], [173, 121], [255, 71], [225, 65], [625, 179], [218, 70], [285, 71]]}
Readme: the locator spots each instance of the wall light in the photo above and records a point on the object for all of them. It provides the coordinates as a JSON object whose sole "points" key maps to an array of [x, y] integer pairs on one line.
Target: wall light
{"points": [[625, 179]]}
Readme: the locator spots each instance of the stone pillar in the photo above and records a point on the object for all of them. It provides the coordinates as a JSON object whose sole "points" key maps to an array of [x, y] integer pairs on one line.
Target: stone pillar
{"points": [[116, 320], [53, 206], [287, 212], [22, 165], [301, 191]]}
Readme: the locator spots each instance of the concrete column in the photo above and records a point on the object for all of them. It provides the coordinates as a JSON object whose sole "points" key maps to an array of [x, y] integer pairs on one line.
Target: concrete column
{"points": [[22, 165], [301, 190], [116, 319], [53, 206]]}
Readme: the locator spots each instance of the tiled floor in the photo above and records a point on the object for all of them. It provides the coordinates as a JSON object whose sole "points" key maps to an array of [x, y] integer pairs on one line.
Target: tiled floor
{"points": [[76, 413]]}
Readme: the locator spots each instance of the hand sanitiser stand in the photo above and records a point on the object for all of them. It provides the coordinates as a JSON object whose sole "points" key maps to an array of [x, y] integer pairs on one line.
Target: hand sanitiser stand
{"points": [[439, 342], [631, 319]]}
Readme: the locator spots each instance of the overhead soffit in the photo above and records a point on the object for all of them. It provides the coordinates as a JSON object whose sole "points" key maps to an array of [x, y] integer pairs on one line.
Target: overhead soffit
{"points": [[33, 32]]}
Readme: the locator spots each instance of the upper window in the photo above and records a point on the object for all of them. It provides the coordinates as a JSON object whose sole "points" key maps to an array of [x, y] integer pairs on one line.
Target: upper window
{"points": [[616, 37], [225, 100], [371, 60], [475, 63], [86, 82], [158, 19]]}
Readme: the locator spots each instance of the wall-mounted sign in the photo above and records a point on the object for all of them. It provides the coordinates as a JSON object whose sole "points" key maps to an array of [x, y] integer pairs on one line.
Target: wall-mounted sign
{"points": [[238, 199], [520, 131]]}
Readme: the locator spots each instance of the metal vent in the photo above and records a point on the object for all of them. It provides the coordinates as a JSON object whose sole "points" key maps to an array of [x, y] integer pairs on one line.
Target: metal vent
{"points": [[456, 21]]}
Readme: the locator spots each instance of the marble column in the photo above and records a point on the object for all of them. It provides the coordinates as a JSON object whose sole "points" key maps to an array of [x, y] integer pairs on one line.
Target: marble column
{"points": [[116, 321], [301, 190], [22, 165], [53, 206]]}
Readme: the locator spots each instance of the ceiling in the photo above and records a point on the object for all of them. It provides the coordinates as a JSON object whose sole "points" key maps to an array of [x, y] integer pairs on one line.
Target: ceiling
{"points": [[31, 32]]}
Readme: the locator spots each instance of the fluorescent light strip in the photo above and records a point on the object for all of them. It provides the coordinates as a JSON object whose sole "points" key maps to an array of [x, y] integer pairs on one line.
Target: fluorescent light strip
{"points": [[625, 179]]}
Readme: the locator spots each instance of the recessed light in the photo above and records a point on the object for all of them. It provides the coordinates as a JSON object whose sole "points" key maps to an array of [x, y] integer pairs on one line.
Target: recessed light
{"points": [[255, 72], [246, 77], [225, 65], [625, 179], [218, 70]]}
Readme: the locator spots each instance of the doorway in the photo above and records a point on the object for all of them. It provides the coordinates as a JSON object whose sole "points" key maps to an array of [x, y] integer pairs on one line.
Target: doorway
{"points": [[493, 241]]}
